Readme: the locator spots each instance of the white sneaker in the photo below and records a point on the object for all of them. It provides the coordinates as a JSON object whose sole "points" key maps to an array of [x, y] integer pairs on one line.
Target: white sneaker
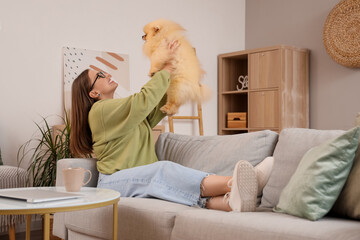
{"points": [[263, 171], [244, 188]]}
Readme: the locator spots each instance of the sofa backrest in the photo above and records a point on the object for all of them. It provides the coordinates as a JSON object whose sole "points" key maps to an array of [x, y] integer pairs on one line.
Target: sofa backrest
{"points": [[216, 154]]}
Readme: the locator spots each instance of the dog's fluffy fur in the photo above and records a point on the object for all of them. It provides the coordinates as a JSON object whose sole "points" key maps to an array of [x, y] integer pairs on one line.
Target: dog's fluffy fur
{"points": [[185, 79]]}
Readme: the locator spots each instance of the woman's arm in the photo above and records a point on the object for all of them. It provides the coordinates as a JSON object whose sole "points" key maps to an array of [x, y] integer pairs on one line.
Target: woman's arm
{"points": [[122, 115], [152, 96], [156, 115]]}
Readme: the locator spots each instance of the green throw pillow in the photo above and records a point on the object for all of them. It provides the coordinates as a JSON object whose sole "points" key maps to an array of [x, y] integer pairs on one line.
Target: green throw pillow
{"points": [[319, 178]]}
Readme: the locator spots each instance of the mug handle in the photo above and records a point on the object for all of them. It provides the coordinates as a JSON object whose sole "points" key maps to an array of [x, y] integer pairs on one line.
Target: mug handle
{"points": [[90, 176]]}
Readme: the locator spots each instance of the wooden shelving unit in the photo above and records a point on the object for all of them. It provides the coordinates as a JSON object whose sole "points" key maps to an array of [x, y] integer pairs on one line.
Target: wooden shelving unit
{"points": [[277, 96]]}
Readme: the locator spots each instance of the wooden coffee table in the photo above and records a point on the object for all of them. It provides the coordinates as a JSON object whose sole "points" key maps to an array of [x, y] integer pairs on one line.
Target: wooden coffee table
{"points": [[90, 198]]}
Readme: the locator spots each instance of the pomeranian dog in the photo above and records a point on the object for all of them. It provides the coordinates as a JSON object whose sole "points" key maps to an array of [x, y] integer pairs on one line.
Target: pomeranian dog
{"points": [[185, 78]]}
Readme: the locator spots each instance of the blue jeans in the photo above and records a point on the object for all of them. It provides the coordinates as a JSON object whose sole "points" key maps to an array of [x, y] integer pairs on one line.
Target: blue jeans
{"points": [[164, 180]]}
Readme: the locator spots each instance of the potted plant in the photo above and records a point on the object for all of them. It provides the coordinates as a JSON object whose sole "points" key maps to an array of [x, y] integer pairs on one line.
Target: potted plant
{"points": [[44, 151]]}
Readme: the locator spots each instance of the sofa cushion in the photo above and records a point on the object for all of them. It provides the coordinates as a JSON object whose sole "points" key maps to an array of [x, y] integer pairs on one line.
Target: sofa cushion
{"points": [[216, 154], [214, 225], [292, 145], [138, 218], [319, 178], [348, 204]]}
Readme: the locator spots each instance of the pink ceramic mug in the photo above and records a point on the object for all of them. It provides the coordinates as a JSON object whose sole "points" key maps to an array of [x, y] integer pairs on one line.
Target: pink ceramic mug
{"points": [[74, 178]]}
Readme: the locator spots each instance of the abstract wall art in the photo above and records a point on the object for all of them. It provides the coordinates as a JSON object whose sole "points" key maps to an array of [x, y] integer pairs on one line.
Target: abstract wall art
{"points": [[76, 60]]}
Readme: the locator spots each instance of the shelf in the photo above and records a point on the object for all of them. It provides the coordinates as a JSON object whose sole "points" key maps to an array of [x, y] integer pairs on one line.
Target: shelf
{"points": [[237, 102], [261, 129], [231, 131], [235, 92], [247, 91], [235, 129], [231, 69], [277, 95], [250, 129], [263, 89]]}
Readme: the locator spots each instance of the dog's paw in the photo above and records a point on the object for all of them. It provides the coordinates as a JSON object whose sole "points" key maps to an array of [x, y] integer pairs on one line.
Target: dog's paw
{"points": [[164, 109], [169, 109], [153, 70]]}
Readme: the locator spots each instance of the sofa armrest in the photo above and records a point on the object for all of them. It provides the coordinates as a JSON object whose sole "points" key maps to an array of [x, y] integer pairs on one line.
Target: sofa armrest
{"points": [[86, 163], [59, 228]]}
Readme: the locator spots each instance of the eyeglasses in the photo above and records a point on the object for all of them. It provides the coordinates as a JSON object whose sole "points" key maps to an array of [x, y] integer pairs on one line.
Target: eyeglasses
{"points": [[98, 75]]}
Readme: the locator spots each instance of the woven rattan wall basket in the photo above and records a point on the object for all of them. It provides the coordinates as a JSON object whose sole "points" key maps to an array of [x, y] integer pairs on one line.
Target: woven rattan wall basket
{"points": [[341, 34]]}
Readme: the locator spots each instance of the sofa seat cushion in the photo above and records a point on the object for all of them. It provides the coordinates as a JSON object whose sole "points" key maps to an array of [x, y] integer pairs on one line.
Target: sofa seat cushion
{"points": [[213, 225], [138, 218], [216, 154]]}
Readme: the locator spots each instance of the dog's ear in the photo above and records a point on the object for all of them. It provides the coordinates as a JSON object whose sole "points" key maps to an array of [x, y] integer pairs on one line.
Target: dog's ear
{"points": [[156, 29]]}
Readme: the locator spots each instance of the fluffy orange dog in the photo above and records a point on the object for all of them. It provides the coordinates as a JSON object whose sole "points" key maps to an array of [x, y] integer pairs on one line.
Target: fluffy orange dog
{"points": [[185, 79]]}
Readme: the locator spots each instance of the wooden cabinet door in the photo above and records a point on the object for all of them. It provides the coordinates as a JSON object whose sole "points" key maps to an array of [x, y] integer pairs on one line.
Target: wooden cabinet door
{"points": [[264, 69], [264, 109]]}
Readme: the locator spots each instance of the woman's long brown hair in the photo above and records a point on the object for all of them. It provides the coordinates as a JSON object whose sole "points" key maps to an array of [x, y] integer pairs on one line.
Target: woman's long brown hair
{"points": [[80, 135]]}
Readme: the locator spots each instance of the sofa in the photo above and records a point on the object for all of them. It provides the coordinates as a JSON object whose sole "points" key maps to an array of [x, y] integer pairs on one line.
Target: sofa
{"points": [[154, 219]]}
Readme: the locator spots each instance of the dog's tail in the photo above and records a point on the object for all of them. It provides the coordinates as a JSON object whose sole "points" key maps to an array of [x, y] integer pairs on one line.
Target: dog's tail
{"points": [[205, 93]]}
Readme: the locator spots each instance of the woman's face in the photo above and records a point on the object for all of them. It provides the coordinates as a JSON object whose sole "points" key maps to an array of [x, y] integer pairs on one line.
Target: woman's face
{"points": [[104, 86]]}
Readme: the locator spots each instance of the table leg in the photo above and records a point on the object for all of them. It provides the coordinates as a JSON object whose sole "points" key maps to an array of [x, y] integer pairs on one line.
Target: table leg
{"points": [[47, 226], [28, 225], [115, 220]]}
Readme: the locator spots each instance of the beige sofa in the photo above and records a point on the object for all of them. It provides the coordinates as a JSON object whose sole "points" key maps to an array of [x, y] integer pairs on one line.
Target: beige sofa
{"points": [[153, 219]]}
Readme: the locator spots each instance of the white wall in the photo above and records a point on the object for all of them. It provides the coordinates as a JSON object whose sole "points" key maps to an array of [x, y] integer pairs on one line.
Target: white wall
{"points": [[33, 32]]}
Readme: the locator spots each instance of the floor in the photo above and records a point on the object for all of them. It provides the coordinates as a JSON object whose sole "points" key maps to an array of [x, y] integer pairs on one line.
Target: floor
{"points": [[36, 232], [35, 235]]}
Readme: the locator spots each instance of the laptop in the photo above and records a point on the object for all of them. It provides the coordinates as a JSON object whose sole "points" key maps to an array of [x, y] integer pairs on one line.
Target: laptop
{"points": [[34, 195]]}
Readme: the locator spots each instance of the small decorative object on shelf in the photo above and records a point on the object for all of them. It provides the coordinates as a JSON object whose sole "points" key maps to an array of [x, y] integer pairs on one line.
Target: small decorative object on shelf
{"points": [[243, 80], [236, 119]]}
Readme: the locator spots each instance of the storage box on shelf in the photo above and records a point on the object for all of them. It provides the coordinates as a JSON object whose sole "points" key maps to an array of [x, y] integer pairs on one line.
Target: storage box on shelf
{"points": [[236, 119], [275, 95]]}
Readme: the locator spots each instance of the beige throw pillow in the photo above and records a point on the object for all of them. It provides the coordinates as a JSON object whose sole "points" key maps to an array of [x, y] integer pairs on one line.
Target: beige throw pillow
{"points": [[348, 203]]}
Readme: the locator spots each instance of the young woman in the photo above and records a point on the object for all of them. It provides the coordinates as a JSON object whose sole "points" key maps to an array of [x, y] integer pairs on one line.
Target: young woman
{"points": [[118, 132]]}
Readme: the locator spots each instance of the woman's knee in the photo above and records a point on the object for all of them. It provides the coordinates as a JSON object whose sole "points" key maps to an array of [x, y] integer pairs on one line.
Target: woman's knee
{"points": [[165, 164]]}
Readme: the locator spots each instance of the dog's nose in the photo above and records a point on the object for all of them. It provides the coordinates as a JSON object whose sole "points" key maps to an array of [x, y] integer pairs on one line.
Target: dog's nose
{"points": [[144, 37]]}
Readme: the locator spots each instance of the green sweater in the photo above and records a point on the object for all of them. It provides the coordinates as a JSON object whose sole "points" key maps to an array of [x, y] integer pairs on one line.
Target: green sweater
{"points": [[121, 128]]}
